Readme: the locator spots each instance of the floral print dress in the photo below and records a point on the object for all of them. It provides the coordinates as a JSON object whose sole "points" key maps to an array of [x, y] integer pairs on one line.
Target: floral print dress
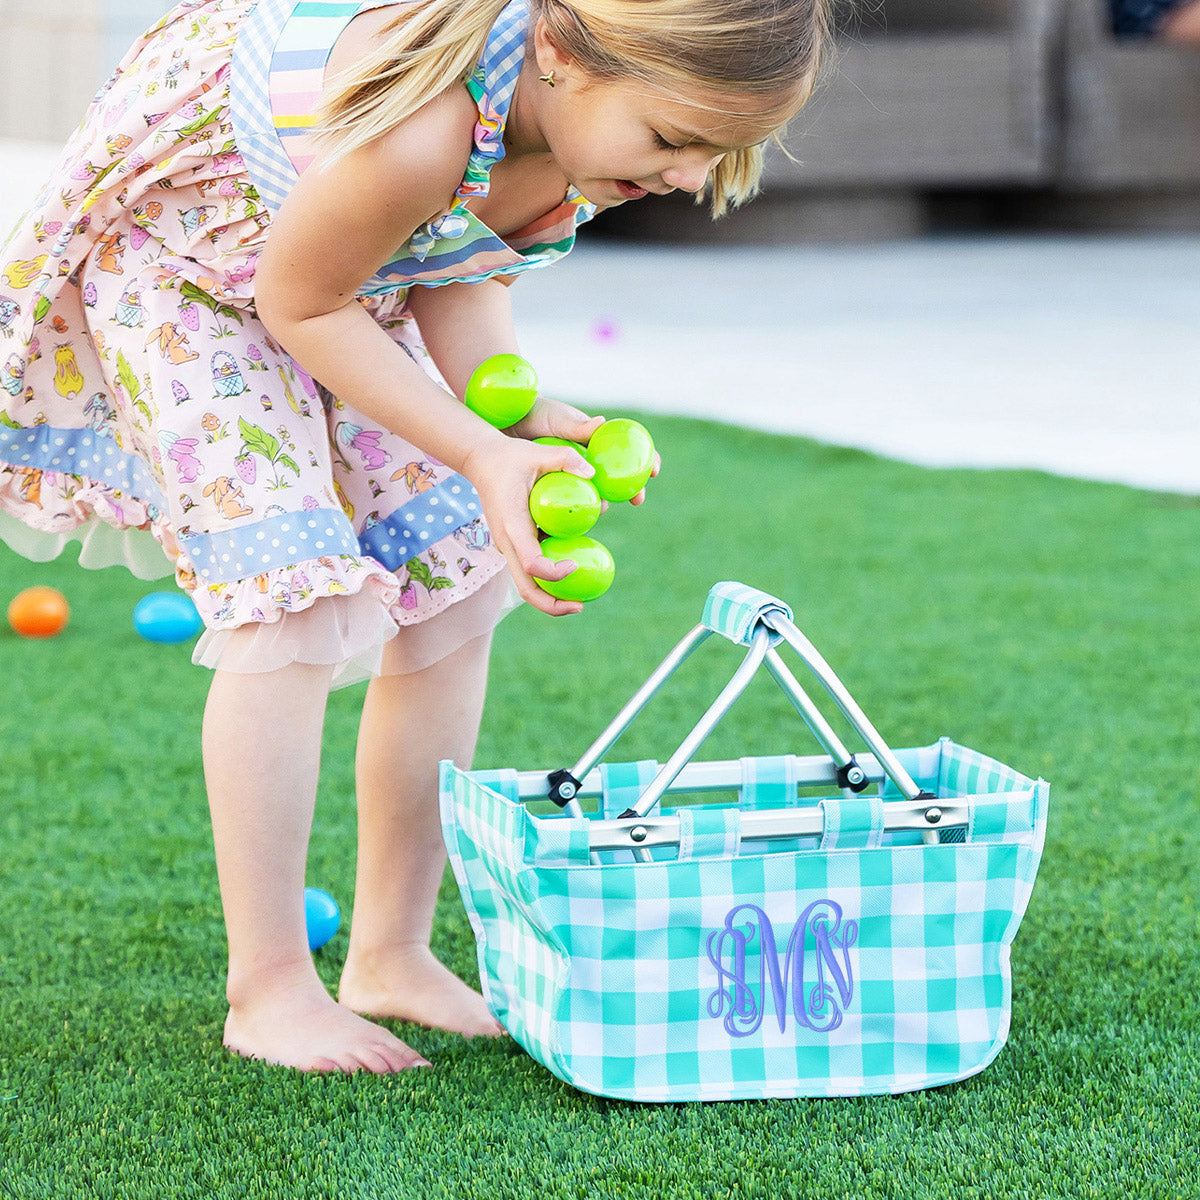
{"points": [[140, 394]]}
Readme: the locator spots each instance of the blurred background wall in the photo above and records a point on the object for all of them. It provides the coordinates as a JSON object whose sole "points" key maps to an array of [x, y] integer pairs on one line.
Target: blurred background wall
{"points": [[54, 54], [935, 114]]}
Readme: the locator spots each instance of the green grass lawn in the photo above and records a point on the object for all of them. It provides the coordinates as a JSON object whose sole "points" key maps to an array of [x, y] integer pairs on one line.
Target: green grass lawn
{"points": [[1050, 623]]}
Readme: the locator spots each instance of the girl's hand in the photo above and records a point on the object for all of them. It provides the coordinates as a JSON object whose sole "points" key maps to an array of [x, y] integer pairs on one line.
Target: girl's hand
{"points": [[503, 473], [553, 418]]}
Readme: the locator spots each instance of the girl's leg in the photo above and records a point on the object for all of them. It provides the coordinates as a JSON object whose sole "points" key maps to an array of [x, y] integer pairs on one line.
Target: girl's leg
{"points": [[262, 747], [411, 722], [1183, 24]]}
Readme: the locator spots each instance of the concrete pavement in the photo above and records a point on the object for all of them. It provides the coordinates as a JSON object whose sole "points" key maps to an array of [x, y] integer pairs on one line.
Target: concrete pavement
{"points": [[1076, 355]]}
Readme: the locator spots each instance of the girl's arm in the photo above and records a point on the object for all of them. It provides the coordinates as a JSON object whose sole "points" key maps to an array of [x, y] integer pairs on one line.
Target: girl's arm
{"points": [[462, 324], [334, 231]]}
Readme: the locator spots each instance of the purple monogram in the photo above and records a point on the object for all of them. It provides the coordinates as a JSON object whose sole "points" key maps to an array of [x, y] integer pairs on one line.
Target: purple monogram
{"points": [[815, 940]]}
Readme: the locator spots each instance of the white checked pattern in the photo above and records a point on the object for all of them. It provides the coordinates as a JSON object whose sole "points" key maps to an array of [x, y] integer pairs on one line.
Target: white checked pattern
{"points": [[647, 981], [504, 53]]}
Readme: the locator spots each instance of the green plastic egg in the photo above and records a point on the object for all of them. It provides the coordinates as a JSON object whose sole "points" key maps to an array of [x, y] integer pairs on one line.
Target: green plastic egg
{"points": [[556, 441], [564, 505], [594, 568], [622, 451], [502, 390]]}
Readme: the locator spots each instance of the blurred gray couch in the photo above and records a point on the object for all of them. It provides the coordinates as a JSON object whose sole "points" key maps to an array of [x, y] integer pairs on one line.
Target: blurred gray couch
{"points": [[931, 92], [1131, 110], [1034, 101]]}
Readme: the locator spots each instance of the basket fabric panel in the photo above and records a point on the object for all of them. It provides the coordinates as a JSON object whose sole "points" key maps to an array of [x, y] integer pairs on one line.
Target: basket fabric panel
{"points": [[838, 971]]}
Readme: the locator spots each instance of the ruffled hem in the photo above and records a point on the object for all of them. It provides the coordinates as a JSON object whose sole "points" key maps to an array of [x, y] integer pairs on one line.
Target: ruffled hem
{"points": [[419, 646], [53, 501], [346, 632], [354, 633], [271, 620], [42, 512], [266, 598], [100, 545], [261, 624]]}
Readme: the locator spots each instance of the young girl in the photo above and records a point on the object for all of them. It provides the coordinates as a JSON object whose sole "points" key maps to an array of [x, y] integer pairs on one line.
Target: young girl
{"points": [[235, 328]]}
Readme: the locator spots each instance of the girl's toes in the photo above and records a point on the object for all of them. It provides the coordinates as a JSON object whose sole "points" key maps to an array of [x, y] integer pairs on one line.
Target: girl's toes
{"points": [[376, 1061]]}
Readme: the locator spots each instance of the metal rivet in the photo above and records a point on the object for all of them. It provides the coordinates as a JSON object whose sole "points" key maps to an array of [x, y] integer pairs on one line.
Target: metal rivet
{"points": [[855, 775], [566, 791], [637, 833], [933, 815]]}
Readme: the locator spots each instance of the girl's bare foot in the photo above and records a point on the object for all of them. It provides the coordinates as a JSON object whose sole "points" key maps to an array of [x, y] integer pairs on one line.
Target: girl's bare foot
{"points": [[409, 984], [301, 1025]]}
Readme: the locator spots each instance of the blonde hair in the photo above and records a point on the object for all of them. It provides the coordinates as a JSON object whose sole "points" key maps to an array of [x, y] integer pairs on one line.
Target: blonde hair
{"points": [[735, 48]]}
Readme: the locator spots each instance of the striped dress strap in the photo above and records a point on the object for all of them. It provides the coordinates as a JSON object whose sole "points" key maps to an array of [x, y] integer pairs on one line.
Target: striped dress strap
{"points": [[298, 67], [259, 142]]}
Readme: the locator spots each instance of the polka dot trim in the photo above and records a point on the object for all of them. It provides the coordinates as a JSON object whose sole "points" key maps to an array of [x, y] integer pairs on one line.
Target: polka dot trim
{"points": [[256, 547], [80, 452], [423, 520]]}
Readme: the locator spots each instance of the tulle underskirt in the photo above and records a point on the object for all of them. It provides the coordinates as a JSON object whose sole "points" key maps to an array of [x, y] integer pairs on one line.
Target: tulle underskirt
{"points": [[354, 633]]}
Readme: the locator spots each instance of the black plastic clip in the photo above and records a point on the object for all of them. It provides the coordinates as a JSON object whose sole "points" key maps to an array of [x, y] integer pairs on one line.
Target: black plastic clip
{"points": [[852, 776], [564, 787]]}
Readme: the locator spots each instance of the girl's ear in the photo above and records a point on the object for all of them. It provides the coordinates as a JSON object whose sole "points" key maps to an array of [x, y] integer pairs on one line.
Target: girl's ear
{"points": [[550, 56]]}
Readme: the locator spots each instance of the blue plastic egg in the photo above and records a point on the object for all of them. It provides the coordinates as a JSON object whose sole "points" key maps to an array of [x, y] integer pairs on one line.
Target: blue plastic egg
{"points": [[166, 617], [321, 915]]}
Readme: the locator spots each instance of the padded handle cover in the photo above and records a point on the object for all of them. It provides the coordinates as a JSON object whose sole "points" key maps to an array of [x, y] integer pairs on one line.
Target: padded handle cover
{"points": [[733, 610]]}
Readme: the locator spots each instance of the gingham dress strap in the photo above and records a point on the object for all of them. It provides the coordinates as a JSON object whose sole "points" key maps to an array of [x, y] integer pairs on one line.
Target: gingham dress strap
{"points": [[267, 161], [492, 86]]}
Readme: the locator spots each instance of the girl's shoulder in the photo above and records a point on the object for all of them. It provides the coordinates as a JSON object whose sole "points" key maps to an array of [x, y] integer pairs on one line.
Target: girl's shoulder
{"points": [[435, 142], [443, 128]]}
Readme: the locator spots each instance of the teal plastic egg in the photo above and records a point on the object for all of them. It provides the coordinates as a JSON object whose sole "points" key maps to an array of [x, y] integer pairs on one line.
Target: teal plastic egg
{"points": [[564, 505], [502, 390], [594, 568], [622, 451], [321, 916], [166, 617]]}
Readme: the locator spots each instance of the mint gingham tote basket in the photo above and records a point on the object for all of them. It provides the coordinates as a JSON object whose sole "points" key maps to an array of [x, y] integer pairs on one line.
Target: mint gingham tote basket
{"points": [[842, 929]]}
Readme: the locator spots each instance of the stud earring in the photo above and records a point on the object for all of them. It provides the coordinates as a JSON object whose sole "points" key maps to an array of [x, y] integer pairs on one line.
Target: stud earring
{"points": [[547, 78]]}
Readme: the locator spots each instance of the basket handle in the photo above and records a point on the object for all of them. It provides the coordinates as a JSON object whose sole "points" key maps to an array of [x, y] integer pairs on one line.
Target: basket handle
{"points": [[735, 610], [748, 617], [838, 693]]}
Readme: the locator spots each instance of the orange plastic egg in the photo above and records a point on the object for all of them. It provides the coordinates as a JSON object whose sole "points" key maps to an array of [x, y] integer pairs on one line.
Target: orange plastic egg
{"points": [[39, 612]]}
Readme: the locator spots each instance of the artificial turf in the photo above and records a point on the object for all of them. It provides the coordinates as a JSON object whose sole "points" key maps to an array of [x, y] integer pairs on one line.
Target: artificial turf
{"points": [[1050, 623]]}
